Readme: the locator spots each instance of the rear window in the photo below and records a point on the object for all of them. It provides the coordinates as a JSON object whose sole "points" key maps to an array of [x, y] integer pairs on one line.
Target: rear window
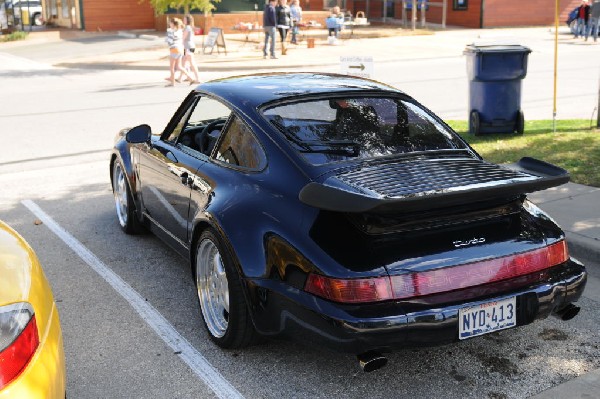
{"points": [[341, 128]]}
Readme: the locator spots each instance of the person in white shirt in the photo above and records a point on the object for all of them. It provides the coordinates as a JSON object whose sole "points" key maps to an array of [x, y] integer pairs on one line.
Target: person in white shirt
{"points": [[189, 48], [175, 41]]}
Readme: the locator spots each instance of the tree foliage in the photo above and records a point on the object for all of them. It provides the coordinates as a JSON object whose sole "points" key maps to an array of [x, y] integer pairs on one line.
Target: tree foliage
{"points": [[162, 6]]}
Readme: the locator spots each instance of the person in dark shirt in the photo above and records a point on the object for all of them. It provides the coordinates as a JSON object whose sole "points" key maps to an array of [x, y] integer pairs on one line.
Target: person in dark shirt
{"points": [[283, 20], [583, 14], [269, 22]]}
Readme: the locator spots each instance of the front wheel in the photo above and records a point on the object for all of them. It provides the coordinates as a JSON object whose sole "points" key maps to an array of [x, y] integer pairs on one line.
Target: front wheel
{"points": [[123, 201], [222, 302], [37, 19]]}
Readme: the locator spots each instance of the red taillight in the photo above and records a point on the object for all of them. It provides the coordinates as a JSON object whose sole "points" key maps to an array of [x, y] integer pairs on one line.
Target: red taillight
{"points": [[15, 356], [558, 253], [417, 284], [350, 290]]}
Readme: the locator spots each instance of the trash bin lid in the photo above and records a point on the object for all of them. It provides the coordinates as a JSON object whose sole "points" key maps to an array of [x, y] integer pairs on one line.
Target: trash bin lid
{"points": [[496, 47]]}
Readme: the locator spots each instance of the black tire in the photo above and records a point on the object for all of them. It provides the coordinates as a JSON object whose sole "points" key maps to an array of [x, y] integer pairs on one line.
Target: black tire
{"points": [[520, 123], [124, 204], [234, 328], [37, 19], [474, 123]]}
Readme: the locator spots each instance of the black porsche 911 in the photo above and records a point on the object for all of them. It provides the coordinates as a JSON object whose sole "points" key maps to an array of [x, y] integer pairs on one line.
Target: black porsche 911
{"points": [[339, 211]]}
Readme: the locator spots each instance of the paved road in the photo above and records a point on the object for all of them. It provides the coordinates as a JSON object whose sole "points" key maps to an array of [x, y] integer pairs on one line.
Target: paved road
{"points": [[56, 130]]}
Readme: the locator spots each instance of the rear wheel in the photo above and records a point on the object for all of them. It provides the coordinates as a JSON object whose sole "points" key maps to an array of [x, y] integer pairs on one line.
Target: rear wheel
{"points": [[474, 123], [520, 123], [123, 201], [224, 310], [37, 19]]}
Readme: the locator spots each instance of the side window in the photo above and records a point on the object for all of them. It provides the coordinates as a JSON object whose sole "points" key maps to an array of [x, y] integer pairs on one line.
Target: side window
{"points": [[179, 128], [239, 147], [201, 125]]}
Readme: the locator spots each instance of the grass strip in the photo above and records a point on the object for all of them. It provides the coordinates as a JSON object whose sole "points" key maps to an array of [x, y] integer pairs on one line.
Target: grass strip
{"points": [[574, 147]]}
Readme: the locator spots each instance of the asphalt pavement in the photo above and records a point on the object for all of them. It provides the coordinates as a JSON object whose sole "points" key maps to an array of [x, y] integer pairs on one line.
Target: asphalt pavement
{"points": [[575, 207]]}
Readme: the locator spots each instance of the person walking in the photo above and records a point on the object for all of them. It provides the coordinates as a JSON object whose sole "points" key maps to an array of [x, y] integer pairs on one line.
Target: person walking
{"points": [[283, 22], [296, 14], [175, 41], [594, 23], [269, 22], [583, 14], [189, 48]]}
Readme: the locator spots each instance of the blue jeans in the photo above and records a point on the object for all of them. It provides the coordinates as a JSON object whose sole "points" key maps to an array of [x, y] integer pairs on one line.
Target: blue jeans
{"points": [[295, 31], [581, 29], [269, 33], [593, 26]]}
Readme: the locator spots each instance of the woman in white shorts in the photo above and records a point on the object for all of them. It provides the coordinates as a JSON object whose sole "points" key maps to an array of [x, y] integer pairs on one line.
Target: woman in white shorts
{"points": [[175, 42], [189, 48]]}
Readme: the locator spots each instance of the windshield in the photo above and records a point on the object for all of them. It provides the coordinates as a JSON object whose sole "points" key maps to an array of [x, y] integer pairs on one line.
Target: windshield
{"points": [[341, 128]]}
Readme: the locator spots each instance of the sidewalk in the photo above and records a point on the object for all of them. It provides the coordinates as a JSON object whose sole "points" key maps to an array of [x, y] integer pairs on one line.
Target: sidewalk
{"points": [[244, 51], [576, 208]]}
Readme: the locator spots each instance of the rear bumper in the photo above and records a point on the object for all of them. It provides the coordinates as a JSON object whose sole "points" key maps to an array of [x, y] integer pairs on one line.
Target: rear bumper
{"points": [[281, 310]]}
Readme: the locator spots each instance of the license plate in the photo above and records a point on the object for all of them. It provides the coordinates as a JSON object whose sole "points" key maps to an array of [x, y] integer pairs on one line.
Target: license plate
{"points": [[487, 317]]}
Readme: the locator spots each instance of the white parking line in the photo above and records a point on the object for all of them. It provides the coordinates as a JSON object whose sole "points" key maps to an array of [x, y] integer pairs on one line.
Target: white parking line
{"points": [[199, 365]]}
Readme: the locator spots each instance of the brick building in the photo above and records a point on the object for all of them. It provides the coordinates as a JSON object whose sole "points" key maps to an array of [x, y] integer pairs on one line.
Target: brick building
{"points": [[470, 13], [110, 15]]}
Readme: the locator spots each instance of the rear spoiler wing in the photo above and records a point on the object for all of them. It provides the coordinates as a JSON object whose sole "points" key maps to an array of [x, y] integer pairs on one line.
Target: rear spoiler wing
{"points": [[540, 176]]}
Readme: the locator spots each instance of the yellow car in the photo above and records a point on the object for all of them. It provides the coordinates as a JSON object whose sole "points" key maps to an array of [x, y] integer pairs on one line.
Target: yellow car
{"points": [[32, 359]]}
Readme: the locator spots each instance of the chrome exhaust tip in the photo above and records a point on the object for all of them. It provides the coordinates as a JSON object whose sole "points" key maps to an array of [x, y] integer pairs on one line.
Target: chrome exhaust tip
{"points": [[568, 312], [371, 361]]}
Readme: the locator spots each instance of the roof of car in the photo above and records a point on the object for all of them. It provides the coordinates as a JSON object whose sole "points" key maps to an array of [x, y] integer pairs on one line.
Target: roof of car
{"points": [[258, 89]]}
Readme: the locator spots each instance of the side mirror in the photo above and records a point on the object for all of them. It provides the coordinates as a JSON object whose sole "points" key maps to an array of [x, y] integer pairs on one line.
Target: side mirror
{"points": [[139, 134]]}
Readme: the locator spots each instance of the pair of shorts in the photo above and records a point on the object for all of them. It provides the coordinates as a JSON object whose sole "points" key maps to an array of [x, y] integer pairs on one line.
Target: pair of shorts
{"points": [[175, 53], [189, 50]]}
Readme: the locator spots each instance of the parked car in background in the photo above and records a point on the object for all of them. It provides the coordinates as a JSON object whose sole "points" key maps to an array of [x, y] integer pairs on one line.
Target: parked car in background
{"points": [[32, 360], [18, 8], [340, 211], [33, 7]]}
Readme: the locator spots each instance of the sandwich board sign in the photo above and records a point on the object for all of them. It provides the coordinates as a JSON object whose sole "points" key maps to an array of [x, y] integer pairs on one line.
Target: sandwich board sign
{"points": [[215, 37], [361, 66]]}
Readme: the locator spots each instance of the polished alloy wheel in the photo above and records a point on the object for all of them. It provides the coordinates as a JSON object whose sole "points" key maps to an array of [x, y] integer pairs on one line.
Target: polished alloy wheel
{"points": [[120, 192], [213, 289]]}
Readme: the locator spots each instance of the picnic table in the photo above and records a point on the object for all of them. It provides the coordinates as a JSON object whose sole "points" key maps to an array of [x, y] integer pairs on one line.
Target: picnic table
{"points": [[354, 24]]}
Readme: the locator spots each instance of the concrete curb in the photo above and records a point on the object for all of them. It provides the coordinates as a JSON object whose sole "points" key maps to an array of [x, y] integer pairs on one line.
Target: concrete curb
{"points": [[127, 35], [580, 387], [583, 247]]}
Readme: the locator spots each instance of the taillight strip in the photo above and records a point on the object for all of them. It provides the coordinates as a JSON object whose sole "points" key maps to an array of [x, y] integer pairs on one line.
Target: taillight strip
{"points": [[411, 285], [472, 274]]}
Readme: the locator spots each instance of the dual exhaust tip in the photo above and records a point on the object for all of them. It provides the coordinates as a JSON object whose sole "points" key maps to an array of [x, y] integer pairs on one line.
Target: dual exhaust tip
{"points": [[371, 361], [568, 312]]}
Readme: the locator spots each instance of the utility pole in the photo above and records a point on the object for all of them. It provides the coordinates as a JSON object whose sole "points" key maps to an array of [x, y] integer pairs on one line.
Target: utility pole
{"points": [[555, 65]]}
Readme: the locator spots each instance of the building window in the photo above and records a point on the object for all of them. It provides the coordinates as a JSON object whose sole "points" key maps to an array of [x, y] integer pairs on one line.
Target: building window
{"points": [[460, 4]]}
